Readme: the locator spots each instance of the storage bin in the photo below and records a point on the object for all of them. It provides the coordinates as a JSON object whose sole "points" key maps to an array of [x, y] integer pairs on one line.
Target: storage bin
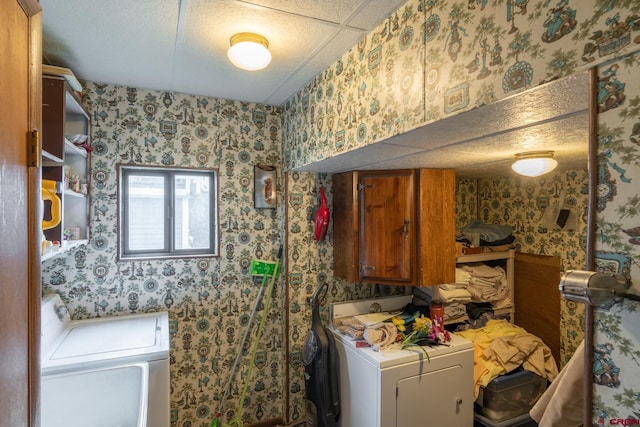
{"points": [[510, 395], [523, 420]]}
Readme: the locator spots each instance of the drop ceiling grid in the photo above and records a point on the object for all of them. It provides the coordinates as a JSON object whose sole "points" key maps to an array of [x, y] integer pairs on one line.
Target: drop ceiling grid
{"points": [[332, 11]]}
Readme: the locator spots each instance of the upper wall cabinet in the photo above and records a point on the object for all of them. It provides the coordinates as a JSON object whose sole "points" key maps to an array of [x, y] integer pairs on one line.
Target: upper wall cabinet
{"points": [[65, 124], [395, 227]]}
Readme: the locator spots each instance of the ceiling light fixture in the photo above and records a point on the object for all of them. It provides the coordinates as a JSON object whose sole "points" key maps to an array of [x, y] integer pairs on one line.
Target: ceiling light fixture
{"points": [[534, 163], [249, 51]]}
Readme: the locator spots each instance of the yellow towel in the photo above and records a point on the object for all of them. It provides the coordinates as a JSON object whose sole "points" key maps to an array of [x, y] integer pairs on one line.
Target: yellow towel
{"points": [[500, 347]]}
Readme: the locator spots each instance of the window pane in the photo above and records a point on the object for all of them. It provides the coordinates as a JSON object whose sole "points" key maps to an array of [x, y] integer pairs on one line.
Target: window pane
{"points": [[146, 210], [192, 212]]}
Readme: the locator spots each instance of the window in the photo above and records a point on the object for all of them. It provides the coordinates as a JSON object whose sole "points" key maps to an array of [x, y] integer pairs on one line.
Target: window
{"points": [[167, 213]]}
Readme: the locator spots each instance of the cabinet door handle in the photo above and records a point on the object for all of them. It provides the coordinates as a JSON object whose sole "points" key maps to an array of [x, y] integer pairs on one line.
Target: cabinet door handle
{"points": [[405, 228], [367, 267]]}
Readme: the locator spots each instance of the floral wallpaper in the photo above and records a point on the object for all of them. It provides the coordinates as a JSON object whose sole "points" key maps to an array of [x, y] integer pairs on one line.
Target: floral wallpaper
{"points": [[209, 300], [617, 342], [520, 202], [429, 60]]}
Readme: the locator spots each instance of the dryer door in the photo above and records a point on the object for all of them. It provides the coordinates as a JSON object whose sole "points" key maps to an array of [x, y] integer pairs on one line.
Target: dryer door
{"points": [[434, 399]]}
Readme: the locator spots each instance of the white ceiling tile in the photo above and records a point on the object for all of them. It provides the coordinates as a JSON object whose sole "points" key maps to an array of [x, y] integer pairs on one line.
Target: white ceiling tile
{"points": [[375, 12], [74, 40], [299, 77]]}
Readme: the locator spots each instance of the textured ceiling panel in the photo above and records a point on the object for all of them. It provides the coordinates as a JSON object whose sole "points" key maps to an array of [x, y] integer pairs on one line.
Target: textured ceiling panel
{"points": [[360, 158], [77, 39], [369, 15]]}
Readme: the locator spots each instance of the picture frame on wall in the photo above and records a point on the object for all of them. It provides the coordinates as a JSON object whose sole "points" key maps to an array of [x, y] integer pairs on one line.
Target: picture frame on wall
{"points": [[264, 195]]}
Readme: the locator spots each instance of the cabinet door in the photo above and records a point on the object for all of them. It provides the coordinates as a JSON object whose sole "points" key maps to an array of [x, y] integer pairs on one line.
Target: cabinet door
{"points": [[437, 218], [345, 226], [387, 226], [433, 399], [537, 297]]}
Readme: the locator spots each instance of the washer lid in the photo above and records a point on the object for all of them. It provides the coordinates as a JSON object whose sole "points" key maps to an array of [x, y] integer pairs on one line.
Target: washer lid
{"points": [[97, 342], [104, 337]]}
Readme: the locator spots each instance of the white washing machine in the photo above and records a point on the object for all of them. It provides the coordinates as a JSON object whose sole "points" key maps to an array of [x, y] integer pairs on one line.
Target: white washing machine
{"points": [[68, 345], [401, 388]]}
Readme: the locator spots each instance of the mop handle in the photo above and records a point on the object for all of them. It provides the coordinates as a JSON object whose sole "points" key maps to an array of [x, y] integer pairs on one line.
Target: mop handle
{"points": [[245, 337], [258, 336]]}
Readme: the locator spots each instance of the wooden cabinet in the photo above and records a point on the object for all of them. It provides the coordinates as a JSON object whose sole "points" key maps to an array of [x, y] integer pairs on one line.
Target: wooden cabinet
{"points": [[394, 226], [64, 120]]}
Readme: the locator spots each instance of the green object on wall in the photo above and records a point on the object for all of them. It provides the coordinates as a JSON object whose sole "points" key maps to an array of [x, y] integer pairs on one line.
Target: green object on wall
{"points": [[263, 268]]}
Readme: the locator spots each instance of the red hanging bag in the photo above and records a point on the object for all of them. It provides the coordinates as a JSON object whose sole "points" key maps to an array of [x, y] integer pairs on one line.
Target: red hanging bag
{"points": [[322, 217]]}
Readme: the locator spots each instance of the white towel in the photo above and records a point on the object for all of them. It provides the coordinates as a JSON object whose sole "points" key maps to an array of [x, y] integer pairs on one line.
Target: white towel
{"points": [[483, 270], [462, 275], [453, 286], [455, 295], [454, 310], [503, 303]]}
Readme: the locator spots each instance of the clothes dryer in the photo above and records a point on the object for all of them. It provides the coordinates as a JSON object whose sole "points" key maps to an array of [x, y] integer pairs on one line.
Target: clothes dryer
{"points": [[400, 388]]}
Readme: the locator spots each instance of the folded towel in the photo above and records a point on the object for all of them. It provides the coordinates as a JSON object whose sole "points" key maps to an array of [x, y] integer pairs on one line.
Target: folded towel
{"points": [[481, 281], [462, 275], [483, 270], [502, 303], [455, 295], [454, 310], [453, 286]]}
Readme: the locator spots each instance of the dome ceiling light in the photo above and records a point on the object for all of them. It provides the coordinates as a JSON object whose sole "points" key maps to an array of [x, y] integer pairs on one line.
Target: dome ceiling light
{"points": [[249, 51], [534, 163]]}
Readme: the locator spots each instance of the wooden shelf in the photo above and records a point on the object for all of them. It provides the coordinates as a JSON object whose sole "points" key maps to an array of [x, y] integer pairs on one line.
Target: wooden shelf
{"points": [[70, 149], [486, 256], [64, 118], [72, 193], [507, 257]]}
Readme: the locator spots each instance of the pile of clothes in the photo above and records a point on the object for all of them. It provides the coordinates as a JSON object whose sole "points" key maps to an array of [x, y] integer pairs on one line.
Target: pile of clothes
{"points": [[500, 347], [475, 283], [491, 237]]}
